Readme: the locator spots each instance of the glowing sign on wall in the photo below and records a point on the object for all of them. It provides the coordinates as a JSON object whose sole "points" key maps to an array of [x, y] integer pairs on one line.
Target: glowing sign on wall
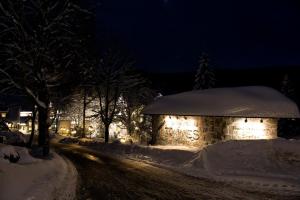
{"points": [[181, 128], [253, 128], [180, 123], [196, 130]]}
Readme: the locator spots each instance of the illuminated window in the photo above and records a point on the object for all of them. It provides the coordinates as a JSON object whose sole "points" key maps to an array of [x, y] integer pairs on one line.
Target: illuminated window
{"points": [[25, 114]]}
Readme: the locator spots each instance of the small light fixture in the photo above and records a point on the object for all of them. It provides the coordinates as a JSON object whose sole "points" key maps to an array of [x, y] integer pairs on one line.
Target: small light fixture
{"points": [[261, 120], [246, 120], [185, 117]]}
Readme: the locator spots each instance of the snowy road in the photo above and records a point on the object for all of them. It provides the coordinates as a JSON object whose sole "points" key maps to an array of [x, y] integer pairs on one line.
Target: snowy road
{"points": [[103, 177]]}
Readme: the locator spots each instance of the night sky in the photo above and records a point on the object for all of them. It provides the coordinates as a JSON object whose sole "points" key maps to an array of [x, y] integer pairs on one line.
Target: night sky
{"points": [[169, 35]]}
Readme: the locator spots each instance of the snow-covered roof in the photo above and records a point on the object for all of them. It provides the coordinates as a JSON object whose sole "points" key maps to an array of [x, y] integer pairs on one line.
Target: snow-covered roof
{"points": [[251, 101]]}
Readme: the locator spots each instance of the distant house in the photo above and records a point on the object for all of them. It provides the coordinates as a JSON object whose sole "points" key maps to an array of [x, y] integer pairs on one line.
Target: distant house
{"points": [[3, 113], [206, 116], [16, 112]]}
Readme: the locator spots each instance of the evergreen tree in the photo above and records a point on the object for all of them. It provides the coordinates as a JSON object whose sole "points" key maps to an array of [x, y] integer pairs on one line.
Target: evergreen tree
{"points": [[135, 96], [287, 87], [205, 77], [287, 127]]}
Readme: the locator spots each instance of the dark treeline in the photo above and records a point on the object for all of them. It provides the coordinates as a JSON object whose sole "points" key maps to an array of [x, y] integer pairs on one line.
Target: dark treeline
{"points": [[174, 82]]}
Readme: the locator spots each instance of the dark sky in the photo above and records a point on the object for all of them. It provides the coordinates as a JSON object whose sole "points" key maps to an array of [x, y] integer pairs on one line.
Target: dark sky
{"points": [[169, 35]]}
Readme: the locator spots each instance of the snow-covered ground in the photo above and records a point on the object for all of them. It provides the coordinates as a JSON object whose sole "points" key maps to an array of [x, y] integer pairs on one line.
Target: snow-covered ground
{"points": [[32, 178], [272, 165]]}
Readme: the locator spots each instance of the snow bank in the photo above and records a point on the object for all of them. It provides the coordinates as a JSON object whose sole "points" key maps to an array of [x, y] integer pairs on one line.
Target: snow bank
{"points": [[32, 178], [23, 153], [14, 137], [272, 165], [252, 101], [272, 158]]}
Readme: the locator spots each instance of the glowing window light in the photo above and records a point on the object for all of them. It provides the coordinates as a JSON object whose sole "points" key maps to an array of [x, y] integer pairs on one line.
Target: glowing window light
{"points": [[25, 114], [3, 115]]}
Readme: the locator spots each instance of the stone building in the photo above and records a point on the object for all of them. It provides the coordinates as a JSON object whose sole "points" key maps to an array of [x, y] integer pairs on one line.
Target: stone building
{"points": [[205, 116]]}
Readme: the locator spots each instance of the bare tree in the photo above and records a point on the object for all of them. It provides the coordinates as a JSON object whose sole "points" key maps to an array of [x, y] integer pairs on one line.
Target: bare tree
{"points": [[38, 48], [110, 81]]}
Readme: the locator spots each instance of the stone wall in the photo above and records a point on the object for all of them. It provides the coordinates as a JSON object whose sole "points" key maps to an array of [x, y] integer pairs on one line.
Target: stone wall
{"points": [[196, 130], [180, 130]]}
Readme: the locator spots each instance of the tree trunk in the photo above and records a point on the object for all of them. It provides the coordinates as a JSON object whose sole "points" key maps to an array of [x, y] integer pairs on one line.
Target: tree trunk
{"points": [[56, 121], [29, 144], [106, 133], [155, 129], [83, 116], [43, 137]]}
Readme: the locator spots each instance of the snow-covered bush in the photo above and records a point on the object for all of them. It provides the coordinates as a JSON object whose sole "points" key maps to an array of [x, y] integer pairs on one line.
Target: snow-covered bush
{"points": [[13, 138]]}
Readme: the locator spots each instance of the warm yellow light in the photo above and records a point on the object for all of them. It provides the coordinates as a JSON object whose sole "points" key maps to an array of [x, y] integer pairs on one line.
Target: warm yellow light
{"points": [[3, 115], [180, 123], [122, 140], [251, 129], [90, 128], [25, 114]]}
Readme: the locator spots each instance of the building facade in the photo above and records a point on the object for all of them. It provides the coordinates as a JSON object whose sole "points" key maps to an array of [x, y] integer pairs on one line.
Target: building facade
{"points": [[203, 117], [197, 130]]}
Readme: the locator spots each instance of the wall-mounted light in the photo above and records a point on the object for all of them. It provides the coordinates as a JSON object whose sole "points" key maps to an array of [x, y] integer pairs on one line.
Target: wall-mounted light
{"points": [[185, 117], [246, 120], [261, 120]]}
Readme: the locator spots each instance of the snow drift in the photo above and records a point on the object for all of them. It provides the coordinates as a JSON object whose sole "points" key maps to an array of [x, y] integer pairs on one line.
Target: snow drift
{"points": [[266, 158], [15, 151], [32, 178], [252, 101], [272, 165]]}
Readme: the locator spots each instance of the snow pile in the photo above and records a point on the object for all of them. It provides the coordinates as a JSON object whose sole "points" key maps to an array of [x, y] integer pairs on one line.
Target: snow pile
{"points": [[14, 138], [264, 164], [32, 178], [252, 101], [273, 158], [15, 151], [272, 165], [6, 150]]}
